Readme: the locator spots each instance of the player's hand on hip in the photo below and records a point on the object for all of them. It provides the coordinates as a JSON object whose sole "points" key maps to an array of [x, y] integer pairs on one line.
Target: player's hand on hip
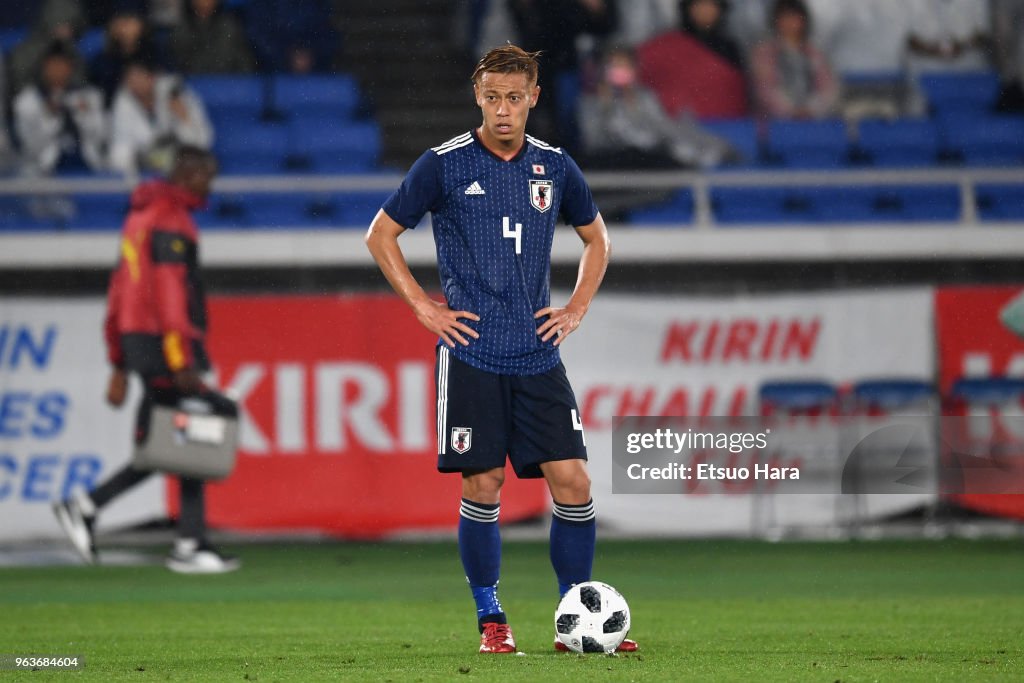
{"points": [[561, 322], [444, 322]]}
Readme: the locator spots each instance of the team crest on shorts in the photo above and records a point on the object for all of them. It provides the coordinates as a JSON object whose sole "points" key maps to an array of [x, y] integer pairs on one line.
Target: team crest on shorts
{"points": [[462, 439], [540, 194]]}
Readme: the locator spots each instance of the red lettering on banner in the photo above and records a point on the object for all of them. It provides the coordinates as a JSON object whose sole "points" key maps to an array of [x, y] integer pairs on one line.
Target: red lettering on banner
{"points": [[800, 340], [737, 344], [633, 404], [677, 342], [768, 341], [337, 419], [602, 402], [743, 340]]}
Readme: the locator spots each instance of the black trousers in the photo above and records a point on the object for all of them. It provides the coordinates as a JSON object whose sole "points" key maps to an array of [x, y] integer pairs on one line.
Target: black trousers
{"points": [[160, 391]]}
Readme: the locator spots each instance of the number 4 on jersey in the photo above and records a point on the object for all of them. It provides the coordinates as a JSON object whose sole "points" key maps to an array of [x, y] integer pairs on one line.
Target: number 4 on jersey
{"points": [[516, 234]]}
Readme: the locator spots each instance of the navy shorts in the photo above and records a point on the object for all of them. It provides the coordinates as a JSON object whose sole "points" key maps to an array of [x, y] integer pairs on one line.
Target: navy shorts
{"points": [[483, 417]]}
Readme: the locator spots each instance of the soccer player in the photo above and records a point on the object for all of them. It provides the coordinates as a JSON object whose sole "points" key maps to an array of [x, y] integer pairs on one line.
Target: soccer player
{"points": [[155, 327], [495, 195]]}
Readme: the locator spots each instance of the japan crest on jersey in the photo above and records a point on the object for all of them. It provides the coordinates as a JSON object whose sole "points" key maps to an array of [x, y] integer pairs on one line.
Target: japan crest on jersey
{"points": [[540, 194], [462, 439]]}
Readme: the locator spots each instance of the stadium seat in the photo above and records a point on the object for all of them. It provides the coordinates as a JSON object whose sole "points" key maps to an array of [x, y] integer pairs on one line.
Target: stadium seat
{"points": [[797, 397], [675, 210], [741, 134], [229, 92], [358, 208], [321, 95], [919, 202], [98, 212], [1000, 202], [892, 394], [991, 391], [903, 142], [733, 205], [9, 37], [252, 147], [808, 144], [91, 43], [985, 140], [960, 92], [331, 144]]}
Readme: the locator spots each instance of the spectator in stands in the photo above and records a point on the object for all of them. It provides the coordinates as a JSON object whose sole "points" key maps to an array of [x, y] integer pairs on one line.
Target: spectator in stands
{"points": [[646, 19], [1008, 39], [553, 27], [60, 122], [152, 115], [290, 37], [210, 41], [57, 20], [127, 39], [792, 77], [949, 35], [697, 68], [624, 126]]}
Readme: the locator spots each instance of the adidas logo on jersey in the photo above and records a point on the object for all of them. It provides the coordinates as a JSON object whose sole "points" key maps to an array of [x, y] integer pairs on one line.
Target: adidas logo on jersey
{"points": [[475, 189]]}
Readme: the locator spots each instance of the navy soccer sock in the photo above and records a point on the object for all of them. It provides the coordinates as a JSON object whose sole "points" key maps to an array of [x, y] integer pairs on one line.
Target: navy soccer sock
{"points": [[480, 549], [573, 533]]}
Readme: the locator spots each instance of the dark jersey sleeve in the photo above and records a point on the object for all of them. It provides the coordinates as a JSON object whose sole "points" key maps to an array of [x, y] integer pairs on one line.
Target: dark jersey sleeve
{"points": [[578, 206], [419, 193]]}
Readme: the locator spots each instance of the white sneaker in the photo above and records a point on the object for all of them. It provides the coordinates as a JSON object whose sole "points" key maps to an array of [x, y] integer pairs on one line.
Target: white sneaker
{"points": [[76, 517], [191, 556]]}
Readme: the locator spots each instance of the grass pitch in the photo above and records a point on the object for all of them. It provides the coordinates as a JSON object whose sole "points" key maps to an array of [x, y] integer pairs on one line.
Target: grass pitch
{"points": [[890, 611]]}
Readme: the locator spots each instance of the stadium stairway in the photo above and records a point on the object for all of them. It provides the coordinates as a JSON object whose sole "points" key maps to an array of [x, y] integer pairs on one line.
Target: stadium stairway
{"points": [[403, 55]]}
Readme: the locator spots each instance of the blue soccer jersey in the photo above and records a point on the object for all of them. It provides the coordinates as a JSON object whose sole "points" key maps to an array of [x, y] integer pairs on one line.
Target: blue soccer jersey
{"points": [[494, 221]]}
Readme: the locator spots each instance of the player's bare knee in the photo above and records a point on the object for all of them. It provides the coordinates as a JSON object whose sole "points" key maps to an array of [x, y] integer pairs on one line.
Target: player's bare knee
{"points": [[483, 487], [569, 485]]}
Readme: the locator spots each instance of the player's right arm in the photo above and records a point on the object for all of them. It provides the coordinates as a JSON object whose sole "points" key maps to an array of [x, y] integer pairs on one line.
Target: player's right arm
{"points": [[382, 241]]}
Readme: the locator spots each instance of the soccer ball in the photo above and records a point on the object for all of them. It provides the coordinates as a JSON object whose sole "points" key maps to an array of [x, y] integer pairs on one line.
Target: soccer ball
{"points": [[592, 617]]}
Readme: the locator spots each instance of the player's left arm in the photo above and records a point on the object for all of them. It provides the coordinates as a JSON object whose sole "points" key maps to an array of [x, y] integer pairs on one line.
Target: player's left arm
{"points": [[597, 249]]}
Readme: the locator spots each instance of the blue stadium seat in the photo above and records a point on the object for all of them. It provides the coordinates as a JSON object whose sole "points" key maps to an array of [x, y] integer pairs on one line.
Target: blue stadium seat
{"points": [[91, 43], [960, 92], [988, 390], [9, 37], [358, 208], [741, 134], [891, 394], [675, 210], [323, 95], [334, 145], [244, 93], [738, 205], [808, 144], [904, 142], [986, 140], [1000, 202], [797, 396], [920, 203], [99, 212], [251, 147]]}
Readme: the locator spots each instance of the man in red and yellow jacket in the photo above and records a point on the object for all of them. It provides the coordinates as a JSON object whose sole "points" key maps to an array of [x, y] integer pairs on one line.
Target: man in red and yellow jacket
{"points": [[156, 328]]}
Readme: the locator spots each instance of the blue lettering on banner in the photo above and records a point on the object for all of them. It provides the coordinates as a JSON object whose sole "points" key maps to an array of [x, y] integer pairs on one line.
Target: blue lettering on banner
{"points": [[17, 342], [42, 416], [42, 478], [38, 473]]}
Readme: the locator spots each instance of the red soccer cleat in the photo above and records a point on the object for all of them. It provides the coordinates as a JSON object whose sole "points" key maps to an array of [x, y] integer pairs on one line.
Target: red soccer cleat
{"points": [[625, 646], [497, 639]]}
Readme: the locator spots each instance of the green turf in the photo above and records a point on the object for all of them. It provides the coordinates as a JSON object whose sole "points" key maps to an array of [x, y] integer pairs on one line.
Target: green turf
{"points": [[889, 611]]}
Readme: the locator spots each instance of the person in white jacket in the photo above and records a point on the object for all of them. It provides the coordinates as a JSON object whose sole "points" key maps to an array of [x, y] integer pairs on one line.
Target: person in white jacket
{"points": [[60, 123], [152, 114]]}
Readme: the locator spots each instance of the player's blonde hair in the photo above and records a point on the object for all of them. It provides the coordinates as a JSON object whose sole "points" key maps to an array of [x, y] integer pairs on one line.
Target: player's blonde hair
{"points": [[507, 59]]}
